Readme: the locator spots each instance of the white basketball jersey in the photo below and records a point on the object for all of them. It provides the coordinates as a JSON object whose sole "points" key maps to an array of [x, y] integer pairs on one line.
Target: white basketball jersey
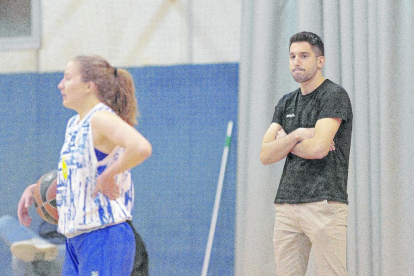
{"points": [[79, 212]]}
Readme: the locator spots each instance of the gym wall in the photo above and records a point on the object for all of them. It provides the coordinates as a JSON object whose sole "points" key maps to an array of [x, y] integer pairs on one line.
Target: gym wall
{"points": [[131, 33]]}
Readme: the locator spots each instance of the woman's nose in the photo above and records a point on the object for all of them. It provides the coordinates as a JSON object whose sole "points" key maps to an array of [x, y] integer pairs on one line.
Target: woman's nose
{"points": [[60, 85]]}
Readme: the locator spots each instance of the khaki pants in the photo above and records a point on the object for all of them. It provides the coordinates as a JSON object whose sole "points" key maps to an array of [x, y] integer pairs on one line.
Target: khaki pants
{"points": [[298, 227]]}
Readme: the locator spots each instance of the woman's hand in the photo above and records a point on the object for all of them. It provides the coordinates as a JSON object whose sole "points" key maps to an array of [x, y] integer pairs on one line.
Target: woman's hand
{"points": [[107, 186], [26, 200]]}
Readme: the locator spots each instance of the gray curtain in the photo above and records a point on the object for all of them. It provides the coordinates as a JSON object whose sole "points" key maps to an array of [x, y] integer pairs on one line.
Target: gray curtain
{"points": [[369, 51]]}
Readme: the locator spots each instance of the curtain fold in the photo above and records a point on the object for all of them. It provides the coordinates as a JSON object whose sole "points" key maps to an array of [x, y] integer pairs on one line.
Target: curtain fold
{"points": [[368, 48]]}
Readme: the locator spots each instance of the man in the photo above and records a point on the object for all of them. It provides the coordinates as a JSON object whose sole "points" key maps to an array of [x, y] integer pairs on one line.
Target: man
{"points": [[312, 128]]}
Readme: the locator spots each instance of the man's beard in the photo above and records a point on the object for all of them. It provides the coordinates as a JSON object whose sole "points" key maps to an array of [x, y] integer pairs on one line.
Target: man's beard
{"points": [[304, 77]]}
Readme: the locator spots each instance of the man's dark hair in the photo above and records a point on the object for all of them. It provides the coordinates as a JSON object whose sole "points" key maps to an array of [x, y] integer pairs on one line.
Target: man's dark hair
{"points": [[313, 39]]}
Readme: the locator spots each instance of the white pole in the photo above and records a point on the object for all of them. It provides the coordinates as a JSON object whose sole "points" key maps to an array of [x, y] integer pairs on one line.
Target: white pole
{"points": [[217, 201]]}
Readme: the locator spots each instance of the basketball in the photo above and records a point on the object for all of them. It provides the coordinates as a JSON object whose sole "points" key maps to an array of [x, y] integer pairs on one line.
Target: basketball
{"points": [[45, 197]]}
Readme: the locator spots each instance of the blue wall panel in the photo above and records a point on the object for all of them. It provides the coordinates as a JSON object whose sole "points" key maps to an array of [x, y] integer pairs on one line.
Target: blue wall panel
{"points": [[185, 110]]}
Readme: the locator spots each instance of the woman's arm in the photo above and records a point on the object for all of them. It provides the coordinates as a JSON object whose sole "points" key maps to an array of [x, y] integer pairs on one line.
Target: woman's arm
{"points": [[109, 131], [23, 206]]}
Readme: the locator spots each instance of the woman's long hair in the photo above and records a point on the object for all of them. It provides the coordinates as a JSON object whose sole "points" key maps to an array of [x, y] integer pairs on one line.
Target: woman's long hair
{"points": [[116, 86]]}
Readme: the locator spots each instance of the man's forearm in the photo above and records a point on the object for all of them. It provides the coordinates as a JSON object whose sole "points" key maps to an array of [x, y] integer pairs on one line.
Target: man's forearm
{"points": [[310, 149], [276, 150], [319, 145]]}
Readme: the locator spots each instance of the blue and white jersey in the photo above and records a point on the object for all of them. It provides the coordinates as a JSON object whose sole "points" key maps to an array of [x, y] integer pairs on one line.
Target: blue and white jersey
{"points": [[79, 211]]}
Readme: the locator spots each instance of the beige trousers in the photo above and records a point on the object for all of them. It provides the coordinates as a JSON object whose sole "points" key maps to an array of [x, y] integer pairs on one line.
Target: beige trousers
{"points": [[320, 225]]}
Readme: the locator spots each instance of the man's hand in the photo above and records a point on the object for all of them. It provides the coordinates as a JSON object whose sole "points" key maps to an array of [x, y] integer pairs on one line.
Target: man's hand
{"points": [[280, 134], [306, 133], [320, 140], [332, 146]]}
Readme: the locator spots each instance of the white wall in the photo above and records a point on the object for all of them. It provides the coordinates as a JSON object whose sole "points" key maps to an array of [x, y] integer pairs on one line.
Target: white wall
{"points": [[132, 33]]}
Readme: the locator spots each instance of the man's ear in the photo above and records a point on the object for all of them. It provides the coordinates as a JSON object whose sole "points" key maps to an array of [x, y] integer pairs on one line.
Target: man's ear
{"points": [[321, 62]]}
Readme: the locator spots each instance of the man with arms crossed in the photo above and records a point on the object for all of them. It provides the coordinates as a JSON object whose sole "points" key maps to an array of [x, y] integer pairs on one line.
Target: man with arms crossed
{"points": [[312, 128]]}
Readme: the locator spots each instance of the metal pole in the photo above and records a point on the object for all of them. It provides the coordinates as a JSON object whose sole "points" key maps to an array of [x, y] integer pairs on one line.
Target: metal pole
{"points": [[217, 200]]}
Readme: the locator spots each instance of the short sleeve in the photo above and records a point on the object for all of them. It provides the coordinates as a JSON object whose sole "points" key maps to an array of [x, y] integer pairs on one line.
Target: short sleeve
{"points": [[336, 104], [279, 111]]}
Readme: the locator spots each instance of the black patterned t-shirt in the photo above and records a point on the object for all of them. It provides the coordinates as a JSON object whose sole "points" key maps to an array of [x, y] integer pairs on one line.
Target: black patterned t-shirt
{"points": [[305, 180]]}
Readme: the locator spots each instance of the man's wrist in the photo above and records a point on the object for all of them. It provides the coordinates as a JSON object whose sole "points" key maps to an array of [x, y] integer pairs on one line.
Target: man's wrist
{"points": [[298, 137]]}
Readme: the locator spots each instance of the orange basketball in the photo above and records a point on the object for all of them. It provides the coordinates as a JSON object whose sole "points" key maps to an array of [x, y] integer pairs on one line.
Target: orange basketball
{"points": [[45, 197]]}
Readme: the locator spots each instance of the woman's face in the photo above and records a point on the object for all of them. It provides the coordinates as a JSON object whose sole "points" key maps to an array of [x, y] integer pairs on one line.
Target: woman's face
{"points": [[71, 87]]}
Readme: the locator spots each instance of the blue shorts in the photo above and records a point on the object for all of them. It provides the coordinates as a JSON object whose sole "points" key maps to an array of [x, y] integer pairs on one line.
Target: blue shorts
{"points": [[106, 251]]}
